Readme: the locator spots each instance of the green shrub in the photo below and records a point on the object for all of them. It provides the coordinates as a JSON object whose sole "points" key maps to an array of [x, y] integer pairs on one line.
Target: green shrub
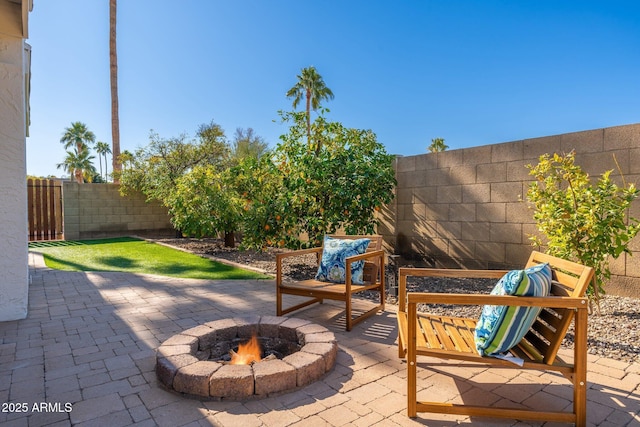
{"points": [[204, 202], [582, 219]]}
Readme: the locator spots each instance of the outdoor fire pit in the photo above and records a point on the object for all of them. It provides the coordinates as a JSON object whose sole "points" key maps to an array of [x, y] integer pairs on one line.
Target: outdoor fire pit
{"points": [[242, 358]]}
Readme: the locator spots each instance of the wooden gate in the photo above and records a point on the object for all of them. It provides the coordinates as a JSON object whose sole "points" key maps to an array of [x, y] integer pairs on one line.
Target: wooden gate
{"points": [[44, 197]]}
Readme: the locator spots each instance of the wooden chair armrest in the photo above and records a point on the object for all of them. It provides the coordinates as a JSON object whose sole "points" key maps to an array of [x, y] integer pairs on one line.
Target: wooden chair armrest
{"points": [[508, 300], [361, 257], [364, 256], [300, 252]]}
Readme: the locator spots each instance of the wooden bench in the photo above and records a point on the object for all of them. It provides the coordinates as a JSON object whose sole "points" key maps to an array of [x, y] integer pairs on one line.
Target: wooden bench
{"points": [[453, 338], [319, 291]]}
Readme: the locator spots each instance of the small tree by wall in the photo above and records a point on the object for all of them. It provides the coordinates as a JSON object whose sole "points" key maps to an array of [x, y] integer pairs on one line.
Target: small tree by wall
{"points": [[581, 220]]}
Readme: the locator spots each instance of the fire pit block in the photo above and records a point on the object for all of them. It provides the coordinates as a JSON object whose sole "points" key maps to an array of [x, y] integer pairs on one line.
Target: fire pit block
{"points": [[309, 367], [312, 328], [319, 337], [174, 350], [192, 342], [274, 376], [327, 351], [167, 367], [232, 381], [205, 335], [194, 378]]}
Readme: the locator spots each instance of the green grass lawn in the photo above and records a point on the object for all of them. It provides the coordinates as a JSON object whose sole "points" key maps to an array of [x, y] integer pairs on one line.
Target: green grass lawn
{"points": [[132, 255]]}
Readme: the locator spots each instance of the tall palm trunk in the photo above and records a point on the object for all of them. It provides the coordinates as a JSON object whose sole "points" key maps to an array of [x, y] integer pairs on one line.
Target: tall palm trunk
{"points": [[106, 168], [309, 116], [113, 62]]}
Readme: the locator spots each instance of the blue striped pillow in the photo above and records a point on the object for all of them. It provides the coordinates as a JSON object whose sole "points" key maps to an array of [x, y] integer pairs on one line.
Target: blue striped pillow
{"points": [[500, 328]]}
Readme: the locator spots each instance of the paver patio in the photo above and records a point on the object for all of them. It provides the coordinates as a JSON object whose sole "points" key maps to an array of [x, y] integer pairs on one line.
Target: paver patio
{"points": [[86, 356]]}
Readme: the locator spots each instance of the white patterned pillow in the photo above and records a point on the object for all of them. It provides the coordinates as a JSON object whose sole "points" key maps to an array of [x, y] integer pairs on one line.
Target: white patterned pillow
{"points": [[500, 328], [333, 265]]}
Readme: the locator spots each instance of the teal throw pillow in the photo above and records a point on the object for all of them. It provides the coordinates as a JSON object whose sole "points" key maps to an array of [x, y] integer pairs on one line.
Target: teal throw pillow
{"points": [[501, 328], [333, 264]]}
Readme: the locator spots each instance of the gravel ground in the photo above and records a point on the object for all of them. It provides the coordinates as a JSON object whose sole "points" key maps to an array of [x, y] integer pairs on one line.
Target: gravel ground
{"points": [[613, 333]]}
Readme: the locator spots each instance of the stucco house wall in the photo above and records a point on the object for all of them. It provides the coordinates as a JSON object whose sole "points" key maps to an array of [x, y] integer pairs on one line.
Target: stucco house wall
{"points": [[14, 272]]}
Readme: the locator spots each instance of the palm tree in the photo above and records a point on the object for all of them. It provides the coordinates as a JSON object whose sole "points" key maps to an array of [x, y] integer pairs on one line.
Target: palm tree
{"points": [[437, 145], [79, 165], [79, 135], [102, 148], [126, 158], [311, 86], [113, 71]]}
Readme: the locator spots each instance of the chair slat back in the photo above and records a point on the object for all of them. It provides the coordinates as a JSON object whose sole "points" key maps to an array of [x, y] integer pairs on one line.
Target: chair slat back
{"points": [[375, 243], [570, 279], [371, 269]]}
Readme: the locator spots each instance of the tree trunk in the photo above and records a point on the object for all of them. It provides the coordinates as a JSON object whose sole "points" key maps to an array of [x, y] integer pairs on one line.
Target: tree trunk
{"points": [[106, 168], [113, 63], [229, 239], [308, 116]]}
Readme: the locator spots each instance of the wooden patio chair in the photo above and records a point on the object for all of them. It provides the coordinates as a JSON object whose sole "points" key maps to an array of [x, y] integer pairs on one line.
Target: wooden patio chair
{"points": [[453, 338], [318, 290]]}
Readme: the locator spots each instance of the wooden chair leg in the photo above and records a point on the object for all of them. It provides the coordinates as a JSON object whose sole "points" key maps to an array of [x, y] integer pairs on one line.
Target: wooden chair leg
{"points": [[580, 367], [278, 301], [382, 285], [412, 383], [401, 349], [348, 312]]}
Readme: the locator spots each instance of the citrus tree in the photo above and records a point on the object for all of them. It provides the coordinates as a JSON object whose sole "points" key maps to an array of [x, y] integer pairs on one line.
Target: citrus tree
{"points": [[300, 192], [203, 203], [265, 217], [582, 219]]}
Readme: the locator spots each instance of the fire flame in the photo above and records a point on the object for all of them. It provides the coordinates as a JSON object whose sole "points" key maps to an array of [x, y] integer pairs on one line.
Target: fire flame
{"points": [[247, 353]]}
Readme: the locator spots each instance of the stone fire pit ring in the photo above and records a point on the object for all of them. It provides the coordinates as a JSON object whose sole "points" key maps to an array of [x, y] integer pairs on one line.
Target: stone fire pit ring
{"points": [[182, 361]]}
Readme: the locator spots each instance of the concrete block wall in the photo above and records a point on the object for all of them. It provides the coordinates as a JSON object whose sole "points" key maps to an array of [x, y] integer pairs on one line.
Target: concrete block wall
{"points": [[464, 208], [98, 210]]}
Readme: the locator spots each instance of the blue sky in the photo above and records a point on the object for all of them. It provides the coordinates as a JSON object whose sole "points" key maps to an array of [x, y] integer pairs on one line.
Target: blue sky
{"points": [[471, 72]]}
